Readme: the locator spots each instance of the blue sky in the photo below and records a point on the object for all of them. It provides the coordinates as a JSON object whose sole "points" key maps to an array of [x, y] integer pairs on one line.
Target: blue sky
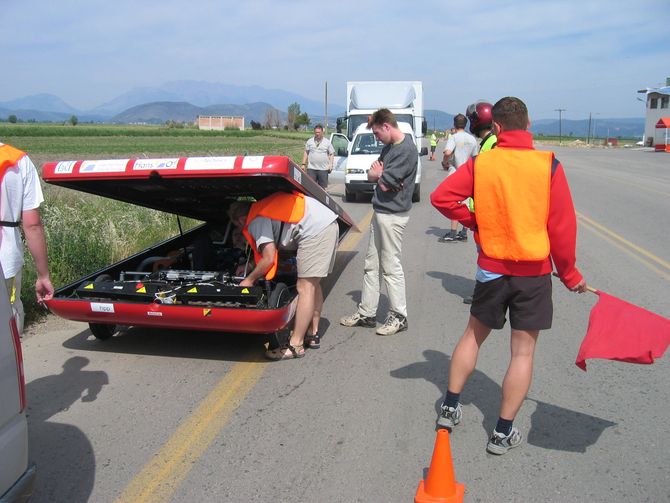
{"points": [[583, 56]]}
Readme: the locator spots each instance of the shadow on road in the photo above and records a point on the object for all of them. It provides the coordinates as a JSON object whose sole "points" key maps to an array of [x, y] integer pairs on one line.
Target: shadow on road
{"points": [[552, 427], [458, 285], [62, 452]]}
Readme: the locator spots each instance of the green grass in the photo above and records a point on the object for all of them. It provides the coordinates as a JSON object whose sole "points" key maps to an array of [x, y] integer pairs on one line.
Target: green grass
{"points": [[86, 232]]}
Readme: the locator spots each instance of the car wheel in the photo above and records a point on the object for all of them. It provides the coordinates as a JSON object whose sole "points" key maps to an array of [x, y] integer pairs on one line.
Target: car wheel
{"points": [[102, 331], [279, 296], [416, 195]]}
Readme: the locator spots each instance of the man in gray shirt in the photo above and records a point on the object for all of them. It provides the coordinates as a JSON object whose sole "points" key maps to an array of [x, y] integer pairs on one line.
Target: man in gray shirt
{"points": [[318, 157], [394, 172]]}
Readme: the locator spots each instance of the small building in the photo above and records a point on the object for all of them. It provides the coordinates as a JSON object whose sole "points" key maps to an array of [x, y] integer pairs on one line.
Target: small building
{"points": [[658, 106], [662, 136], [220, 122]]}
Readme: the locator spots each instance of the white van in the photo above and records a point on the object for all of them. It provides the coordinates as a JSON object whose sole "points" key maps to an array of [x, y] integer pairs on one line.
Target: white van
{"points": [[17, 477], [361, 152]]}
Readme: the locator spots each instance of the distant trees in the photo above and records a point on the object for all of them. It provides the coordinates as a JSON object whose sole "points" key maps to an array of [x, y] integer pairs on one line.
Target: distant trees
{"points": [[272, 118], [73, 120], [256, 125], [13, 119], [295, 118]]}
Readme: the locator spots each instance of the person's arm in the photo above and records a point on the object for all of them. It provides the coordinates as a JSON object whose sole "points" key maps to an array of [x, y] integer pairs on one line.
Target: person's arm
{"points": [[37, 245], [448, 195], [562, 230], [268, 251], [331, 157]]}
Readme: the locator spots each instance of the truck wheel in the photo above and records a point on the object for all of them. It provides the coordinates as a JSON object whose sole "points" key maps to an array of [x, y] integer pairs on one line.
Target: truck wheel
{"points": [[416, 195], [349, 196], [102, 331]]}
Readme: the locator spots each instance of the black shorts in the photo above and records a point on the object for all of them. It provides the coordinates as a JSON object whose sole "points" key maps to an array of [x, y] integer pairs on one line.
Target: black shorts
{"points": [[528, 299], [433, 147]]}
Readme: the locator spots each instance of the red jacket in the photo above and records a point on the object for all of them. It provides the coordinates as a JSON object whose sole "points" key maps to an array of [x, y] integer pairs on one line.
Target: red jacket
{"points": [[561, 223]]}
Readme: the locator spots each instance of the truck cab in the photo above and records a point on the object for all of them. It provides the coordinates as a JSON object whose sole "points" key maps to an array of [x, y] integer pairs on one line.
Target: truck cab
{"points": [[360, 153]]}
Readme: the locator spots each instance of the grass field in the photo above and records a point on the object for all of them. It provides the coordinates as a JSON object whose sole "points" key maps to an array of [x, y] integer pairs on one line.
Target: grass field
{"points": [[85, 232]]}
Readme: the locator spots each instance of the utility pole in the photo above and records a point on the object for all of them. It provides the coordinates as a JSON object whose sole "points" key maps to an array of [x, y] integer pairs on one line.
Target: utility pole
{"points": [[560, 124], [588, 133], [326, 109]]}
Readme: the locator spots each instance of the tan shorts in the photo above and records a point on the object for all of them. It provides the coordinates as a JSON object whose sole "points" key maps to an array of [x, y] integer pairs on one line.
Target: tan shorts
{"points": [[316, 255]]}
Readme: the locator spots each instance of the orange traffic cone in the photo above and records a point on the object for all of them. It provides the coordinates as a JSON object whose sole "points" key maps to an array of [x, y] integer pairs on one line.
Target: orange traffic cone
{"points": [[440, 485]]}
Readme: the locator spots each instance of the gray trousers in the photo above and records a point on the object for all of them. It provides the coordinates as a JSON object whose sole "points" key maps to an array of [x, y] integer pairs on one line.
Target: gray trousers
{"points": [[383, 257]]}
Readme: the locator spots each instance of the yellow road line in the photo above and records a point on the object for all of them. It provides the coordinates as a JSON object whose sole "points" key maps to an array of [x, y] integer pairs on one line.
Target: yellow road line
{"points": [[161, 476], [615, 236], [626, 246]]}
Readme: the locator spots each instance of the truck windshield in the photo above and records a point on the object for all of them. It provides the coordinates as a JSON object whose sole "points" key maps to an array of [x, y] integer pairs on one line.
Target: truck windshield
{"points": [[366, 144], [357, 120]]}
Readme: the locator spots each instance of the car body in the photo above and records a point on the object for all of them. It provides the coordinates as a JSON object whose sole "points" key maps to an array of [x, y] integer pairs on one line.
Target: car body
{"points": [[199, 288], [361, 152], [17, 475]]}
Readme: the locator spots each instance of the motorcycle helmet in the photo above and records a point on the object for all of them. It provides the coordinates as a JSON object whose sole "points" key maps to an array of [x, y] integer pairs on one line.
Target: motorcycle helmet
{"points": [[480, 116]]}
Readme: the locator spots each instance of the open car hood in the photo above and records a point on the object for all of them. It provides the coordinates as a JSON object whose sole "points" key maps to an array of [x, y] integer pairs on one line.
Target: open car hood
{"points": [[197, 187]]}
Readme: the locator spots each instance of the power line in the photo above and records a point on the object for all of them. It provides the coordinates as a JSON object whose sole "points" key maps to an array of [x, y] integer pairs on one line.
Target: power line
{"points": [[560, 123]]}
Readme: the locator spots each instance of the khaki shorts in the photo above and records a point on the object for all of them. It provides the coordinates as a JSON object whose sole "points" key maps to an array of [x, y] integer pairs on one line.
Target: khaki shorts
{"points": [[316, 254]]}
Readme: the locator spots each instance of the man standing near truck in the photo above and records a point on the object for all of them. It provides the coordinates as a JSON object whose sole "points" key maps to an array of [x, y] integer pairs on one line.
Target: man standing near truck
{"points": [[20, 198], [394, 172], [318, 157]]}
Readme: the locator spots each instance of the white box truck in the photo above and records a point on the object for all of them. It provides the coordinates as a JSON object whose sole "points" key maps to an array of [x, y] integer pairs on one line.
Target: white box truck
{"points": [[404, 99]]}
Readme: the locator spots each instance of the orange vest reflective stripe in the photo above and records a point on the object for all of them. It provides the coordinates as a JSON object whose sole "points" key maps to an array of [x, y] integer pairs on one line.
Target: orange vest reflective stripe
{"points": [[289, 208], [9, 156], [512, 189]]}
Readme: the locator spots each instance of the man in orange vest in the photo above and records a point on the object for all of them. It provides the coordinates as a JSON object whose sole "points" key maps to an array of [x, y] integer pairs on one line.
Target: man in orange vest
{"points": [[525, 225], [298, 222], [20, 198]]}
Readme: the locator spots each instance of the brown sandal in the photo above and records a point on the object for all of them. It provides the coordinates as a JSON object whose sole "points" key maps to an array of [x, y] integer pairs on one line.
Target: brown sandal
{"points": [[313, 341], [285, 352]]}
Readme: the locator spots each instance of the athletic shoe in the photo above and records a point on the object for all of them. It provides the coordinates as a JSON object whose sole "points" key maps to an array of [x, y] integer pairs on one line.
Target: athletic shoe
{"points": [[393, 324], [358, 320], [449, 416], [462, 236], [467, 300], [448, 237], [499, 443]]}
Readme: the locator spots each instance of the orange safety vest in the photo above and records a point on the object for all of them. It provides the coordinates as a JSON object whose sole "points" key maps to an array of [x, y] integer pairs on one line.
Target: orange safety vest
{"points": [[9, 156], [289, 208], [512, 189]]}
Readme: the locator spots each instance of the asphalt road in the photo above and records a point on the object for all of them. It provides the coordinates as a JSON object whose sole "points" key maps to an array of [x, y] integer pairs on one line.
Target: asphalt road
{"points": [[180, 416]]}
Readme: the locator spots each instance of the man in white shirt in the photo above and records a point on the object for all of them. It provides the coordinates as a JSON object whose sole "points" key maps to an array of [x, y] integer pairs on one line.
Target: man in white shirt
{"points": [[459, 148], [20, 198], [318, 157]]}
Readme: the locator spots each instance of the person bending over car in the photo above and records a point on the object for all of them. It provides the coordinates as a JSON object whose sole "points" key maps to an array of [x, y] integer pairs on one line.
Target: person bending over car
{"points": [[284, 221]]}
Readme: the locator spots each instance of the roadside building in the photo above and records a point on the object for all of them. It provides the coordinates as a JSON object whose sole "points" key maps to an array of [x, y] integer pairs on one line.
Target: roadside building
{"points": [[658, 106], [220, 122]]}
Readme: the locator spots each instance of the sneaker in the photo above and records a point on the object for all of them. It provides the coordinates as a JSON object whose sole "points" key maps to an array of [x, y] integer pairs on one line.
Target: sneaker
{"points": [[393, 324], [500, 443], [462, 236], [449, 417], [467, 300], [448, 237], [358, 320]]}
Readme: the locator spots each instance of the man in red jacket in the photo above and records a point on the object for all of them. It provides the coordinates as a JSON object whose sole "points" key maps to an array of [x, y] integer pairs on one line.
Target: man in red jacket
{"points": [[525, 225]]}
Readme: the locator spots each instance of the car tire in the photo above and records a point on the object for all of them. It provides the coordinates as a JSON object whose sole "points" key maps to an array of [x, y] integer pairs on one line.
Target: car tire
{"points": [[279, 296], [416, 195], [102, 331]]}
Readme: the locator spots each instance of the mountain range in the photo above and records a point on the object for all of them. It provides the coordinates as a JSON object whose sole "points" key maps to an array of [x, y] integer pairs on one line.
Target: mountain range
{"points": [[184, 100]]}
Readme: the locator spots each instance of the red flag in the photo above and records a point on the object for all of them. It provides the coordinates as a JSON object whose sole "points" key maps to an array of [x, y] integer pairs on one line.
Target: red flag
{"points": [[623, 332]]}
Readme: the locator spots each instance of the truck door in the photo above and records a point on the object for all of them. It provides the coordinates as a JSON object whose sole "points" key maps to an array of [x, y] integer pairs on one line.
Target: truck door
{"points": [[340, 144]]}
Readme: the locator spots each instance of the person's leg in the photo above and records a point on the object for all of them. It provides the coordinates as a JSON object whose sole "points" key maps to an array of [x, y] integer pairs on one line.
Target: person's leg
{"points": [[391, 229], [370, 294], [519, 373], [466, 352], [318, 306], [323, 179], [305, 310]]}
